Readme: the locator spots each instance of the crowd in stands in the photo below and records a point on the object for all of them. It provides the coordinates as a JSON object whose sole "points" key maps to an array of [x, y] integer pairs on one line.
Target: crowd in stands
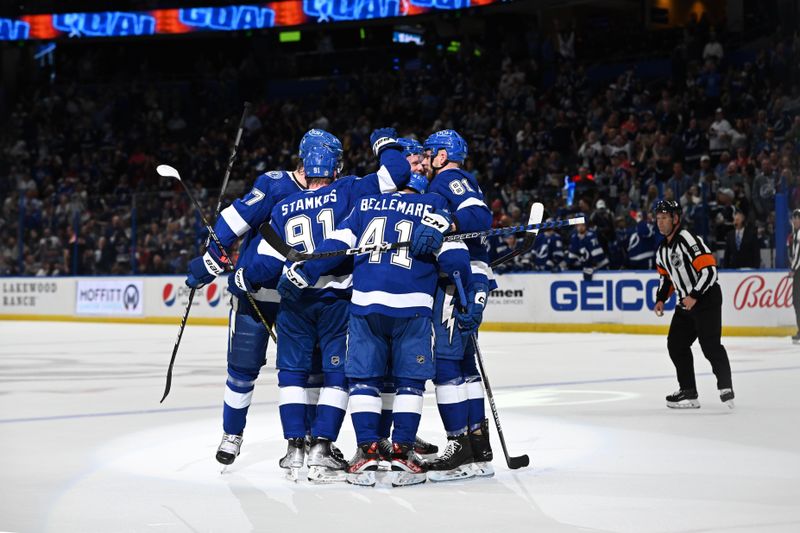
{"points": [[721, 135]]}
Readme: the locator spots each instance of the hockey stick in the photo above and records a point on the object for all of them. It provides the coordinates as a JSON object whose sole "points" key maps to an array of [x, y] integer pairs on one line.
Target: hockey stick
{"points": [[513, 463], [276, 241], [231, 159], [537, 213]]}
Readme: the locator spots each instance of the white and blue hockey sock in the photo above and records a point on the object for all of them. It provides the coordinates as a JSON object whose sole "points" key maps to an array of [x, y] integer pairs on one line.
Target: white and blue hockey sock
{"points": [[474, 385], [451, 397], [238, 395], [387, 400], [365, 408], [292, 401], [313, 386], [331, 406], [407, 410]]}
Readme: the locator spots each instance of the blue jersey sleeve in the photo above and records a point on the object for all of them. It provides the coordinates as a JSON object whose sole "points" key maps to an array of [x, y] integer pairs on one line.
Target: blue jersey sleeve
{"points": [[247, 212], [391, 176], [343, 237], [267, 264], [598, 256], [465, 199]]}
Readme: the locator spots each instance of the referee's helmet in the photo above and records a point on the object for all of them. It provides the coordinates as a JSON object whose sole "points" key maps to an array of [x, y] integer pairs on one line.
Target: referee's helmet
{"points": [[668, 206]]}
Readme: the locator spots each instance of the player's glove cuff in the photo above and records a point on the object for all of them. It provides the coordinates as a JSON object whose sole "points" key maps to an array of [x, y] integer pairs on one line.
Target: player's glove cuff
{"points": [[297, 277]]}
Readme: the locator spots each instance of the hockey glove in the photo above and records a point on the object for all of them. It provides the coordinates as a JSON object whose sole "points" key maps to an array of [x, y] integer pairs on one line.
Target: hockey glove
{"points": [[292, 283], [470, 318], [428, 236], [205, 269], [383, 138], [238, 284], [588, 273]]}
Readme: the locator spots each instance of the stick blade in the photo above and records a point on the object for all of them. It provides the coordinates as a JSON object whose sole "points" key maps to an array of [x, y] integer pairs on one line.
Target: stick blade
{"points": [[515, 463], [537, 214], [168, 172]]}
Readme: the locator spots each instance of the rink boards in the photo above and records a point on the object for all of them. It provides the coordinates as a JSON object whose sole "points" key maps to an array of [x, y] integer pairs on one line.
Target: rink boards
{"points": [[755, 302]]}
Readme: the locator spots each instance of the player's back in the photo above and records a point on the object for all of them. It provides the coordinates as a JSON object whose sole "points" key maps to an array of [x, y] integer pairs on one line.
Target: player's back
{"points": [[268, 190], [395, 283]]}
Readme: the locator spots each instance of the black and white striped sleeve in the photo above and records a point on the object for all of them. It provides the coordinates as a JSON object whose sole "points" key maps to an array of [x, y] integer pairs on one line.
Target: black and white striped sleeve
{"points": [[665, 287], [795, 251], [703, 263]]}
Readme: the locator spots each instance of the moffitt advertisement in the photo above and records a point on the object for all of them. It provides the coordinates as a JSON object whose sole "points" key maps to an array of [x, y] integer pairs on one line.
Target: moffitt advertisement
{"points": [[109, 297]]}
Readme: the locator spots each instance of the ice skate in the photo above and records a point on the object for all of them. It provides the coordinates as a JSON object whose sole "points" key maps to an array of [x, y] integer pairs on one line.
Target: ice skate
{"points": [[362, 467], [407, 467], [228, 450], [293, 460], [385, 451], [683, 399], [726, 396], [425, 449], [482, 451], [796, 338], [325, 462], [455, 463]]}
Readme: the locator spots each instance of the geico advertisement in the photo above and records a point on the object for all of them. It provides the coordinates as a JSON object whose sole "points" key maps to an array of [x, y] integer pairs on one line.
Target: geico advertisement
{"points": [[169, 296], [750, 298], [109, 297]]}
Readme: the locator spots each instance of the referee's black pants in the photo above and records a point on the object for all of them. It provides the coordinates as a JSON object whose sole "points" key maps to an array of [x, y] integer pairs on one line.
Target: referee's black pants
{"points": [[796, 297], [704, 323]]}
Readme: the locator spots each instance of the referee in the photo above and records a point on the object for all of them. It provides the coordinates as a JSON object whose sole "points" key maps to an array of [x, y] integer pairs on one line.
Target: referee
{"points": [[794, 254], [686, 266]]}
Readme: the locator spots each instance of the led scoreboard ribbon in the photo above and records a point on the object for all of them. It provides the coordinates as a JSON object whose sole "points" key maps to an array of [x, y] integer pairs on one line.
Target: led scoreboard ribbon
{"points": [[228, 18]]}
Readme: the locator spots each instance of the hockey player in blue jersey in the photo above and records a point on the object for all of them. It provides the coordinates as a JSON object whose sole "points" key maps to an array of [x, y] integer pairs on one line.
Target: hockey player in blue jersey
{"points": [[642, 245], [320, 317], [585, 252], [415, 155], [390, 320], [247, 337], [549, 252], [459, 391]]}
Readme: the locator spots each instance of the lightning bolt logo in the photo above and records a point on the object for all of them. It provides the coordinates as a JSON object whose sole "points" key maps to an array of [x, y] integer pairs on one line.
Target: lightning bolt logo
{"points": [[448, 308]]}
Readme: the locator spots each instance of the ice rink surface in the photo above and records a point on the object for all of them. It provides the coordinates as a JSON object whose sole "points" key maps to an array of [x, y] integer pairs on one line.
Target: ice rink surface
{"points": [[86, 447]]}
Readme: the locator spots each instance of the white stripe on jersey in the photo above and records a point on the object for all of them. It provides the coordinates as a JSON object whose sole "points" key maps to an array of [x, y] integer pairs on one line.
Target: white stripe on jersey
{"points": [[265, 249], [334, 282], [267, 295], [411, 299], [385, 181], [479, 267], [470, 202], [235, 221], [345, 235], [451, 245]]}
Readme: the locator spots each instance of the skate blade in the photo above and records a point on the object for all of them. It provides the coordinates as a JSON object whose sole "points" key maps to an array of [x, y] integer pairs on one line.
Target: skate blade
{"points": [[457, 474], [362, 479], [684, 404], [483, 469], [384, 466], [322, 475], [730, 404], [223, 469], [795, 341], [406, 479], [426, 457], [293, 474]]}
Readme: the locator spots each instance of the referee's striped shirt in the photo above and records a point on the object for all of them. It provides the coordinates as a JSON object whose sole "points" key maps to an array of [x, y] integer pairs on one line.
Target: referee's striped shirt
{"points": [[795, 251], [686, 266]]}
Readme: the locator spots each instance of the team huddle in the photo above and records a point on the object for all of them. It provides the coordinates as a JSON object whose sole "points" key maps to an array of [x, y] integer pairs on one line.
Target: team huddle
{"points": [[368, 330]]}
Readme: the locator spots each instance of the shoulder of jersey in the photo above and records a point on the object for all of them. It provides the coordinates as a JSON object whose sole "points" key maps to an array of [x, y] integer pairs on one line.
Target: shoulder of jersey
{"points": [[276, 174]]}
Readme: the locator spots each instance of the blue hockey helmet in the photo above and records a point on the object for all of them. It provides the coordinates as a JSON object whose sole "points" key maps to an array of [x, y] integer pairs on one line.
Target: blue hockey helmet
{"points": [[320, 162], [450, 141], [318, 137], [410, 146], [418, 182]]}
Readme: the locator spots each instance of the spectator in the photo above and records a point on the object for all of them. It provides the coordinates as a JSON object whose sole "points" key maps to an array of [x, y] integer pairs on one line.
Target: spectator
{"points": [[742, 248], [719, 133]]}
